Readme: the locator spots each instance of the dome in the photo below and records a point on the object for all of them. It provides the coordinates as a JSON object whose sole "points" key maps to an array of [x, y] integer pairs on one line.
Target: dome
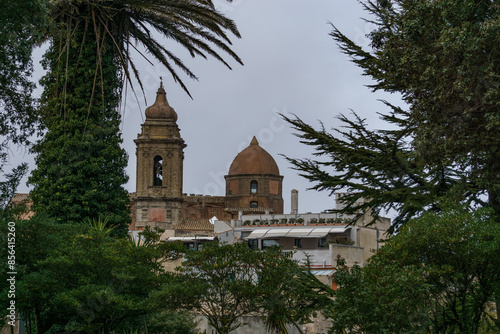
{"points": [[254, 160], [161, 109]]}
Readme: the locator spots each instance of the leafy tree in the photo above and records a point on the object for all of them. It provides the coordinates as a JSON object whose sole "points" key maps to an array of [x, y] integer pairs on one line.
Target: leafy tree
{"points": [[459, 250], [224, 282], [450, 261], [195, 25], [20, 22], [173, 322], [87, 281], [382, 297], [80, 164], [35, 240], [442, 56], [288, 293], [220, 283], [20, 26]]}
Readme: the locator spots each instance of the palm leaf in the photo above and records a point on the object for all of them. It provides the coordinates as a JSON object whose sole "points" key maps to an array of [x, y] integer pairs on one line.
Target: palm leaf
{"points": [[194, 24]]}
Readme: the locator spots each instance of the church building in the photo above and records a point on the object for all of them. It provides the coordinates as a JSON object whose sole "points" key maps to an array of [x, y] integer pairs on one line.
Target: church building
{"points": [[253, 182]]}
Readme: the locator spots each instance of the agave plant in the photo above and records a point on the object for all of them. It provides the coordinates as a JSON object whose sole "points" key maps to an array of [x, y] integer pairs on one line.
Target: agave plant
{"points": [[100, 225]]}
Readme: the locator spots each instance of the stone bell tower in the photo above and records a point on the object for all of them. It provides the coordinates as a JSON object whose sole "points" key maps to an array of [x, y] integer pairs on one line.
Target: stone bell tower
{"points": [[160, 155]]}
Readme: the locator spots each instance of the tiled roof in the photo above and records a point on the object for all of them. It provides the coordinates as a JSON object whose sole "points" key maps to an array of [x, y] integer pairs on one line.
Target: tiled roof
{"points": [[195, 225], [254, 160], [20, 197]]}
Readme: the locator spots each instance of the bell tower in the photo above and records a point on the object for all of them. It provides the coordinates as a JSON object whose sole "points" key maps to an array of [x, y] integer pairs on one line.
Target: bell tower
{"points": [[160, 155]]}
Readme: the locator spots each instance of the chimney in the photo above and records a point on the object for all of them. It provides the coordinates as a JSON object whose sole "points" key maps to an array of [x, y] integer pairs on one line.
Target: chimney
{"points": [[295, 201]]}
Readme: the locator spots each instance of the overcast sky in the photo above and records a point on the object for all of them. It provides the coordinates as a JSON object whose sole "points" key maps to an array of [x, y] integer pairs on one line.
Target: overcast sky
{"points": [[292, 66]]}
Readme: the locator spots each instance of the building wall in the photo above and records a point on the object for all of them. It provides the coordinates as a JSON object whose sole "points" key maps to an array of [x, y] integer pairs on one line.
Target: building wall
{"points": [[8, 329], [268, 195], [204, 207], [351, 254], [371, 237]]}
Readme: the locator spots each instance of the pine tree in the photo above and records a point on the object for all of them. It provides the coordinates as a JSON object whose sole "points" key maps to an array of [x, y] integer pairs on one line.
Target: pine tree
{"points": [[378, 166], [443, 58]]}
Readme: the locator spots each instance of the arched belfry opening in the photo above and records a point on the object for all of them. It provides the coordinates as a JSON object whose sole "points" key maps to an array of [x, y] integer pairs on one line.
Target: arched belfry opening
{"points": [[158, 171]]}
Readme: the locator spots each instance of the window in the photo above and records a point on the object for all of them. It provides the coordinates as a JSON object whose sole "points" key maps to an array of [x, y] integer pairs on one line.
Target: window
{"points": [[253, 243], [321, 242], [157, 171], [253, 187], [298, 243], [193, 245], [254, 204], [269, 243]]}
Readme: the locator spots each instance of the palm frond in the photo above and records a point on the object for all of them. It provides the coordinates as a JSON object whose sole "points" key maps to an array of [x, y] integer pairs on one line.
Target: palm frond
{"points": [[194, 24]]}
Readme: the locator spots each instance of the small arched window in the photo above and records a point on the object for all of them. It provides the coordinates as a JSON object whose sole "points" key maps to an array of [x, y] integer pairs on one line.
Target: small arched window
{"points": [[254, 204], [157, 171], [253, 187]]}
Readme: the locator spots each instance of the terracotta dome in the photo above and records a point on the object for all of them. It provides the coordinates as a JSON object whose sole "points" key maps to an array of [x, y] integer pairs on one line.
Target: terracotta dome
{"points": [[161, 109], [254, 160]]}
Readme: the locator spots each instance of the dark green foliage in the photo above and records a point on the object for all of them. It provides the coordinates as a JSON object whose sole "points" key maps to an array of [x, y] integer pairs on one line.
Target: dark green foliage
{"points": [[80, 164], [195, 25], [382, 297], [443, 57], [172, 322], [20, 23], [77, 278], [288, 293], [379, 167], [35, 241], [459, 250], [224, 282], [439, 273], [220, 282]]}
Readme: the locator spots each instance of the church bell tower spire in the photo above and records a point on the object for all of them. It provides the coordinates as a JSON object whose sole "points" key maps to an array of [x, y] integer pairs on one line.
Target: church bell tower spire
{"points": [[160, 155]]}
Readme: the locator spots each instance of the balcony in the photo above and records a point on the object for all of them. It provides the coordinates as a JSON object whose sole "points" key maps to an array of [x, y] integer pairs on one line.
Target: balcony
{"points": [[327, 257]]}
